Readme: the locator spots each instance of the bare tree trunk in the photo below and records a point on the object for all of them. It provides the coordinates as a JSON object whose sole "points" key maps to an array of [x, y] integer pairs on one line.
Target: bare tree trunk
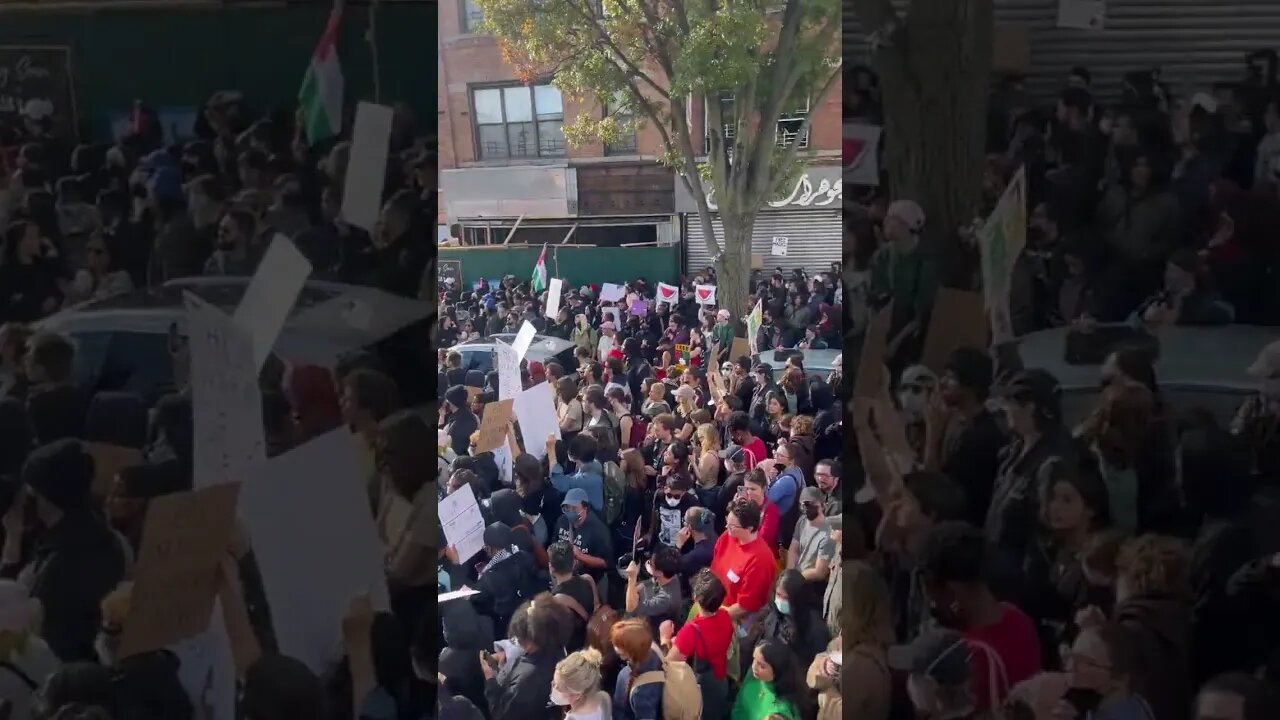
{"points": [[734, 269], [935, 69]]}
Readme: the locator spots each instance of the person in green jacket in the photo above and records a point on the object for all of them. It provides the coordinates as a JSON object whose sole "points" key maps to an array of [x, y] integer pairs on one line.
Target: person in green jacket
{"points": [[775, 686]]}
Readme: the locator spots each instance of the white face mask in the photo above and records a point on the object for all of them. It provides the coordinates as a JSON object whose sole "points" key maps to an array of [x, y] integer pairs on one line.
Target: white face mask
{"points": [[913, 403], [558, 699], [672, 502]]}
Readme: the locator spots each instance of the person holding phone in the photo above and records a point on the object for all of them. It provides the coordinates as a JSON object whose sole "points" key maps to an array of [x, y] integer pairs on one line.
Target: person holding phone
{"points": [[1099, 668]]}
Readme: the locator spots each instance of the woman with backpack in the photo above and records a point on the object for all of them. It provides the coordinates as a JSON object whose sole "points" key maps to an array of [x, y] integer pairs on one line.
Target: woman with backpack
{"points": [[631, 428], [633, 642], [704, 643]]}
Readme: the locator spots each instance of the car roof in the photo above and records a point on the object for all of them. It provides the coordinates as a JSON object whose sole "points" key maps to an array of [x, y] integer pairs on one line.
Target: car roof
{"points": [[327, 320], [1189, 356], [541, 348], [813, 359]]}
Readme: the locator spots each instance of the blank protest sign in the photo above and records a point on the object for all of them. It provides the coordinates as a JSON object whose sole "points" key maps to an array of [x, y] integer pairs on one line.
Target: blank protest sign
{"points": [[367, 168]]}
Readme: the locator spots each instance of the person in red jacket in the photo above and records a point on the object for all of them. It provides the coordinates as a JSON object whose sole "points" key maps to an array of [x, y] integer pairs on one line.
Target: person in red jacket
{"points": [[743, 562]]}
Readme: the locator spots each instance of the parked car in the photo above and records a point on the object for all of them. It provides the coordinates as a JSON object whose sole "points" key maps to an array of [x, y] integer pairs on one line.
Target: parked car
{"points": [[817, 363], [1196, 367], [128, 342], [481, 355]]}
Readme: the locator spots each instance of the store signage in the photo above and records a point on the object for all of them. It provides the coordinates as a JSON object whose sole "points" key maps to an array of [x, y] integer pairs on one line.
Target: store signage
{"points": [[804, 194]]}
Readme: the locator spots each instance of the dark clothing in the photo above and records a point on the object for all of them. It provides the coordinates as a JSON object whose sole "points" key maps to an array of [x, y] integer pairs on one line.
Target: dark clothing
{"points": [[1013, 518], [806, 642], [181, 251], [1221, 548], [462, 423], [580, 589], [57, 411], [76, 563], [1161, 630], [523, 692], [971, 457], [591, 538], [400, 266], [466, 634], [25, 289], [501, 588], [146, 687]]}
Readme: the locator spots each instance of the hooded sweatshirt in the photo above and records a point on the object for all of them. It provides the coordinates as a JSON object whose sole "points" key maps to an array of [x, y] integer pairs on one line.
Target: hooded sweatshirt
{"points": [[465, 633], [1161, 628]]}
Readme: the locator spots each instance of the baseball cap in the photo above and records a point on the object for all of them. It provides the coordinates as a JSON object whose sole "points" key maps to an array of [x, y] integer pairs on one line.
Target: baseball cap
{"points": [[941, 655], [733, 452], [909, 212], [812, 495], [575, 496], [761, 368]]}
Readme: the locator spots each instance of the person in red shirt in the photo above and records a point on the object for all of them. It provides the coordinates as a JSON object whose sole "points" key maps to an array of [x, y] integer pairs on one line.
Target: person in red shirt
{"points": [[704, 641], [1004, 648], [740, 433], [755, 487], [743, 562]]}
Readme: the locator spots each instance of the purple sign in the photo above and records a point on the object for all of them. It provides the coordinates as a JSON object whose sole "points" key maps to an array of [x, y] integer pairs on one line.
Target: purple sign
{"points": [[639, 308]]}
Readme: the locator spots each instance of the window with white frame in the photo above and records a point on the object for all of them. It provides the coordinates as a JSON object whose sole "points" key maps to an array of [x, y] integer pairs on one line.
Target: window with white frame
{"points": [[518, 122], [788, 129]]}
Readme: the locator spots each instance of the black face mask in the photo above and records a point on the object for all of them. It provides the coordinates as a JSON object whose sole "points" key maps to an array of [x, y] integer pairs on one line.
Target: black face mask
{"points": [[811, 512]]}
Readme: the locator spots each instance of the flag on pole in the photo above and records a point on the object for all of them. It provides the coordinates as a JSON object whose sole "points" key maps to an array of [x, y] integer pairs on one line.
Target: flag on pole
{"points": [[322, 88], [539, 279], [754, 321], [1002, 240]]}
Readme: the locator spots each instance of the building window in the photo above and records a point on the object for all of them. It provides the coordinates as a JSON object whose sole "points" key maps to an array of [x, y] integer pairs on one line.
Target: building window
{"points": [[472, 17], [518, 122], [620, 108], [789, 122]]}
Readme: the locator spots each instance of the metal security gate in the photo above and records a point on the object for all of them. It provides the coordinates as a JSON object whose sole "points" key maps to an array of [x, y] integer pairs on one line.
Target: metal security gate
{"points": [[813, 239], [1195, 42]]}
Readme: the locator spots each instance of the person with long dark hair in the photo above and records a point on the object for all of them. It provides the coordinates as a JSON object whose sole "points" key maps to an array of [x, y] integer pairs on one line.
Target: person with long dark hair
{"points": [[775, 686], [795, 619]]}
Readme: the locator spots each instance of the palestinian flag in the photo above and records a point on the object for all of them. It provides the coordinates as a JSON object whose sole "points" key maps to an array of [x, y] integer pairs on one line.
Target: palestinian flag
{"points": [[539, 279], [321, 93]]}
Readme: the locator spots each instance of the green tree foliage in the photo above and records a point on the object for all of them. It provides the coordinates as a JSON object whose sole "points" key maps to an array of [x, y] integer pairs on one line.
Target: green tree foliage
{"points": [[658, 58]]}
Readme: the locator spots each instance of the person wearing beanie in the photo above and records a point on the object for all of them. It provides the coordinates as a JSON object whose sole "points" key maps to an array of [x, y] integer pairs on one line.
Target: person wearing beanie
{"points": [[906, 273], [457, 419], [77, 560]]}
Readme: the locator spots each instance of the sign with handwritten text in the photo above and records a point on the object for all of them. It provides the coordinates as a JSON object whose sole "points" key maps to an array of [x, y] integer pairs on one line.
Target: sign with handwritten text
{"points": [[224, 395]]}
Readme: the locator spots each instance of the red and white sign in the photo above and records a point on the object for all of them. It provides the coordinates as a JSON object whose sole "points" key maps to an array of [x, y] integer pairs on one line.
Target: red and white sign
{"points": [[706, 294], [861, 154], [667, 294]]}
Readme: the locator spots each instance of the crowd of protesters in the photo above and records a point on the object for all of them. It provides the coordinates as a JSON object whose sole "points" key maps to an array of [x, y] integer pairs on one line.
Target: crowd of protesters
{"points": [[1011, 561], [676, 553], [85, 222]]}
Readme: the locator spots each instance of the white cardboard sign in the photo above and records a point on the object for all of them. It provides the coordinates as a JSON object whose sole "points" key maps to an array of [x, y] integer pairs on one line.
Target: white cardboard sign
{"points": [[367, 167], [267, 301], [535, 410]]}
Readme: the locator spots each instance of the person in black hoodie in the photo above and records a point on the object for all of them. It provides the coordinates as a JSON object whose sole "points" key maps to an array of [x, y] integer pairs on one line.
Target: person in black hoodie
{"points": [[466, 633], [57, 407], [503, 578], [77, 560], [457, 419]]}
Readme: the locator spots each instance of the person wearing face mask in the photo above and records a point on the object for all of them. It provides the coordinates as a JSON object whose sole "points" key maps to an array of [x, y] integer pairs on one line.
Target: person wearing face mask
{"points": [[501, 579], [583, 335], [915, 389], [795, 618], [592, 543], [812, 551], [670, 504], [576, 687], [659, 598], [696, 541], [538, 632], [939, 678]]}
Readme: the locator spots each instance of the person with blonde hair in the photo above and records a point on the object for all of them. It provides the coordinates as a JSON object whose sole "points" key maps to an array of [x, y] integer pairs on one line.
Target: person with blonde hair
{"points": [[576, 686], [708, 464], [25, 659]]}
